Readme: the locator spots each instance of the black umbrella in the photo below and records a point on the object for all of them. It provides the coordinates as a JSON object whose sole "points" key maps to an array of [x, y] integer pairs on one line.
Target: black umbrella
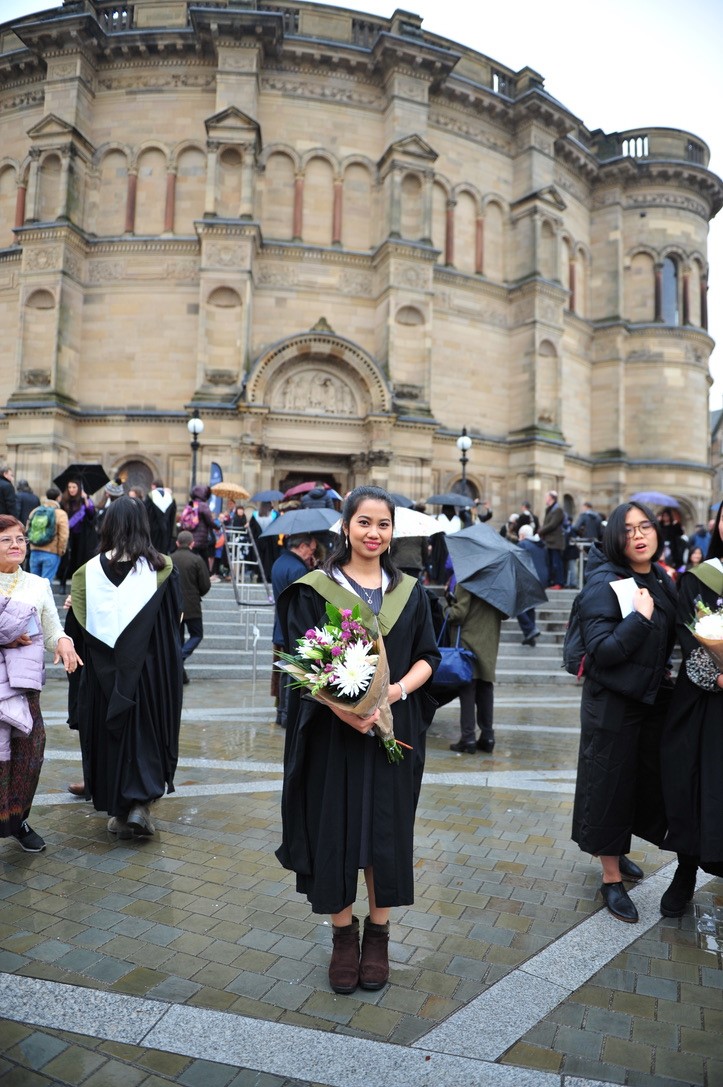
{"points": [[496, 571], [401, 500], [450, 499], [295, 521], [91, 477], [267, 496]]}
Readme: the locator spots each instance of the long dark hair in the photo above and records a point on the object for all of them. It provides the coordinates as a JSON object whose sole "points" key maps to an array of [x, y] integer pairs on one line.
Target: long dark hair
{"points": [[340, 553], [126, 534], [72, 503], [715, 547], [614, 537]]}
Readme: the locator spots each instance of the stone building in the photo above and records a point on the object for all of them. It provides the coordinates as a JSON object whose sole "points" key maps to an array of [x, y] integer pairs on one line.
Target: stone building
{"points": [[341, 239]]}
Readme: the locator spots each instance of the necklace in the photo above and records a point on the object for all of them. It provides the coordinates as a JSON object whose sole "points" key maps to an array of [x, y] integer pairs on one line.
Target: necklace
{"points": [[7, 590], [368, 594]]}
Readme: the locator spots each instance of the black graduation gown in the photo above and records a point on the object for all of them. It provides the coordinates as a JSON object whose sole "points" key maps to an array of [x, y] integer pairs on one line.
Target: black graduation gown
{"points": [[128, 706], [324, 772], [692, 749]]}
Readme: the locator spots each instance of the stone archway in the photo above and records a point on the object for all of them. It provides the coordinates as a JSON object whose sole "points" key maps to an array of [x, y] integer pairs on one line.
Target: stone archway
{"points": [[320, 405]]}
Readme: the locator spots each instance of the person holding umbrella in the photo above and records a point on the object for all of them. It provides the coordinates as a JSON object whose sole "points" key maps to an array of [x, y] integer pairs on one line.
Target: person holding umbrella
{"points": [[479, 625]]}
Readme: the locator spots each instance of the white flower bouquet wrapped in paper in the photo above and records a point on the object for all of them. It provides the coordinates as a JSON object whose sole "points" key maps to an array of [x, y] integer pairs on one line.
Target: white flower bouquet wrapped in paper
{"points": [[707, 628], [344, 664]]}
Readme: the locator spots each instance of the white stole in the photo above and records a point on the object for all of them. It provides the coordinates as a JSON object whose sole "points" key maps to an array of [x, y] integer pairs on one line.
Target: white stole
{"points": [[110, 608]]}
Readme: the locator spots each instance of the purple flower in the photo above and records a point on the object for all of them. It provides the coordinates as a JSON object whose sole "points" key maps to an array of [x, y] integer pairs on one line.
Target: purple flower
{"points": [[336, 651]]}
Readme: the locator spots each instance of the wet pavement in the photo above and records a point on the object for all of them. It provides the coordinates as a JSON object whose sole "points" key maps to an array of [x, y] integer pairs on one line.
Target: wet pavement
{"points": [[189, 958]]}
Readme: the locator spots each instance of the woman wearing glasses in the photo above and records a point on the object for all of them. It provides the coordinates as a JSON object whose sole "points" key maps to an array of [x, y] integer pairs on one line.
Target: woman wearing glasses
{"points": [[627, 620], [29, 624]]}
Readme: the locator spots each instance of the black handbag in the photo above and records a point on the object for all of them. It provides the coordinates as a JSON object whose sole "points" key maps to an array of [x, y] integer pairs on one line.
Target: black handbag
{"points": [[456, 667]]}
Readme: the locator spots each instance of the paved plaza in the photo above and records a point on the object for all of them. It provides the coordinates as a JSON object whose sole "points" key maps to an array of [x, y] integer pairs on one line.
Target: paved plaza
{"points": [[189, 958]]}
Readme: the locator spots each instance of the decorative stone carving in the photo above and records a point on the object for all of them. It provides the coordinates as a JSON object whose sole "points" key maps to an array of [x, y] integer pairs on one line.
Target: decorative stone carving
{"points": [[36, 378], [275, 275], [183, 269], [322, 325], [297, 88], [312, 392], [224, 255], [104, 271], [408, 392], [40, 260], [356, 283], [412, 276], [221, 377], [158, 80]]}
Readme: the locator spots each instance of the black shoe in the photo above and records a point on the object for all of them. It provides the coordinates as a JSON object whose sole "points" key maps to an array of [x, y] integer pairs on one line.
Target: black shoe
{"points": [[463, 748], [530, 639], [619, 902], [487, 746], [185, 677], [28, 840], [629, 869], [680, 892]]}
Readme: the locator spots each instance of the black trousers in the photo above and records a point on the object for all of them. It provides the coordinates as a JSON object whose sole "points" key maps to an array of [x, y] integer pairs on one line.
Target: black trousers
{"points": [[476, 696], [619, 790]]}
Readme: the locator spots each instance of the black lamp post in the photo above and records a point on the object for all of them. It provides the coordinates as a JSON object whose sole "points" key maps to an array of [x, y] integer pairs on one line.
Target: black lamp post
{"points": [[195, 427], [464, 443]]}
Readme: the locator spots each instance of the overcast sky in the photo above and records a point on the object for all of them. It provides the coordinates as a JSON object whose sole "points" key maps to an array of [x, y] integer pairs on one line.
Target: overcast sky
{"points": [[616, 64]]}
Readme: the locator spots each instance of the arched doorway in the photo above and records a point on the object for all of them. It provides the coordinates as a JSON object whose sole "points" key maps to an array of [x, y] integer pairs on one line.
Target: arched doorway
{"points": [[135, 473]]}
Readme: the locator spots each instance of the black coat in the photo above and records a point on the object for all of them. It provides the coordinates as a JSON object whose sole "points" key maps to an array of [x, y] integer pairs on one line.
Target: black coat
{"points": [[692, 749], [628, 656], [324, 762], [8, 502]]}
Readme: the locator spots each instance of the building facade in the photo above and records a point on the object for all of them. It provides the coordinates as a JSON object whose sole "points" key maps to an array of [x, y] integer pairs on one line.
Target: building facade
{"points": [[340, 239]]}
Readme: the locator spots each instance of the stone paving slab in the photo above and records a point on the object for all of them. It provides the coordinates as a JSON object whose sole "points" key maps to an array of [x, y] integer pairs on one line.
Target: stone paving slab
{"points": [[201, 919]]}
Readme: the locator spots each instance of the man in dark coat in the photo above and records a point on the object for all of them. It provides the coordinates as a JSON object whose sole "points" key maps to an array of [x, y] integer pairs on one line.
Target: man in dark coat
{"points": [[318, 498], [527, 620], [195, 582], [8, 501], [25, 500], [553, 536], [292, 563]]}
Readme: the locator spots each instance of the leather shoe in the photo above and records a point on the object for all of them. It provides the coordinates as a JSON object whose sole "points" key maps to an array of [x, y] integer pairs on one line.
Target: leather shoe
{"points": [[629, 869], [530, 639], [463, 748], [487, 746], [77, 788], [619, 902], [681, 890]]}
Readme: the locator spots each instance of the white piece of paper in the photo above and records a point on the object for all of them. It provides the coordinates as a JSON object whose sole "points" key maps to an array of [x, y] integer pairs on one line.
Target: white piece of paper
{"points": [[625, 589]]}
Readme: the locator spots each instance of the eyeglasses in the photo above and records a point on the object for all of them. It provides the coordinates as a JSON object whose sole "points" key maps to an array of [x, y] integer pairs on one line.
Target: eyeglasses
{"points": [[8, 541], [644, 527]]}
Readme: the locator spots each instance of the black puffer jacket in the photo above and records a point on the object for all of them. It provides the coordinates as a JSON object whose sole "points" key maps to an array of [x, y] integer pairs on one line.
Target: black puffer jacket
{"points": [[630, 655]]}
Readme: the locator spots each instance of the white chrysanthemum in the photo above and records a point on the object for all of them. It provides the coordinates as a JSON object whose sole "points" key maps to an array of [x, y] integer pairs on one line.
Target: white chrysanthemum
{"points": [[353, 676], [710, 626]]}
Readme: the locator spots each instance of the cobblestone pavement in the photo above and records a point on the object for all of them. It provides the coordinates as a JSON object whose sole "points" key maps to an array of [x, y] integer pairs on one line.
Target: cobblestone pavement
{"points": [[189, 958]]}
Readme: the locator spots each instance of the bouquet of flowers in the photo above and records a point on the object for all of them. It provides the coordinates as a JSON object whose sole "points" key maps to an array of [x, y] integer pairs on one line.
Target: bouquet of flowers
{"points": [[344, 664], [707, 628]]}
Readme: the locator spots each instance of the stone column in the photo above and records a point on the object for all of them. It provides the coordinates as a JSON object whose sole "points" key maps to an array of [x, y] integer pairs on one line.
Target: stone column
{"points": [[449, 234], [479, 246], [704, 302], [63, 193], [427, 206], [658, 308], [211, 179], [337, 212], [170, 212], [248, 188], [20, 205], [572, 302], [131, 202], [395, 205], [32, 195], [298, 207], [686, 298]]}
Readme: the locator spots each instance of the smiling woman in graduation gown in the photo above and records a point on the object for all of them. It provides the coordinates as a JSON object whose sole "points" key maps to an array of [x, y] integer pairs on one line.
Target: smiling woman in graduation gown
{"points": [[126, 611]]}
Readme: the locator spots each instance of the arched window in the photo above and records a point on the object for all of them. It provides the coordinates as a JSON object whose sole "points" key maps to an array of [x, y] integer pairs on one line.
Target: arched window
{"points": [[113, 195], [318, 202], [494, 250], [439, 221], [640, 289], [49, 189], [277, 203], [411, 208], [465, 233], [190, 190], [670, 301], [547, 263], [357, 218], [151, 192], [229, 183], [694, 292]]}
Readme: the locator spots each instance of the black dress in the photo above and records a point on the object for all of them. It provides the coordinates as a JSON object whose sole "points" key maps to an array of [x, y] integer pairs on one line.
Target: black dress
{"points": [[324, 772], [692, 749]]}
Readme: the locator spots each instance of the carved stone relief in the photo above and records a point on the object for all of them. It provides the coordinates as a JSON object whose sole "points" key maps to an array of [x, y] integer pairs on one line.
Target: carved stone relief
{"points": [[40, 260], [221, 377], [36, 378], [312, 392]]}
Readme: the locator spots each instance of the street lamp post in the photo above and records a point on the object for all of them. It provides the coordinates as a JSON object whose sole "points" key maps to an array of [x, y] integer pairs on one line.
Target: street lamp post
{"points": [[195, 427], [464, 443]]}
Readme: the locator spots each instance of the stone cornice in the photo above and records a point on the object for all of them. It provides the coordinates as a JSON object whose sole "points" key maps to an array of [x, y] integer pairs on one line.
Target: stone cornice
{"points": [[686, 333], [415, 57], [540, 287], [234, 26], [631, 173], [299, 253], [468, 282]]}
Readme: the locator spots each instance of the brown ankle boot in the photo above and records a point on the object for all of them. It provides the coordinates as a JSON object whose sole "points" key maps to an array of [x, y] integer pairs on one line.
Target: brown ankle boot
{"points": [[344, 965], [374, 965]]}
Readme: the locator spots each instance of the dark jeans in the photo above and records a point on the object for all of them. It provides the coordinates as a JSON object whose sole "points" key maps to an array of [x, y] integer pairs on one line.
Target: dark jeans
{"points": [[526, 619], [195, 636], [555, 571], [477, 695]]}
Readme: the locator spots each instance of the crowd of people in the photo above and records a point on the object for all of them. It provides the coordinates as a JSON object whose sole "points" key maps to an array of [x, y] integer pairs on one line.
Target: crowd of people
{"points": [[651, 748]]}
